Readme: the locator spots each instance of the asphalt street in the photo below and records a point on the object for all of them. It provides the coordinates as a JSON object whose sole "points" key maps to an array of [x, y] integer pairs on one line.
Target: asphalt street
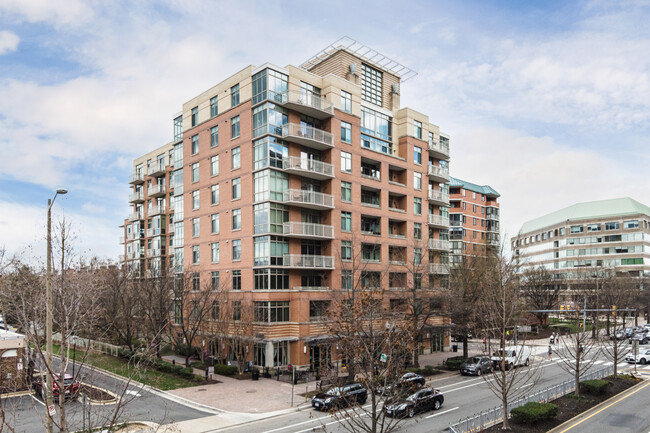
{"points": [[27, 413], [464, 396]]}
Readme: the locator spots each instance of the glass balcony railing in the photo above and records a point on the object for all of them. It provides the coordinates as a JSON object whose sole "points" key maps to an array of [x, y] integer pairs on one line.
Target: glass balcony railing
{"points": [[136, 178], [308, 261], [439, 149], [307, 103], [438, 172]]}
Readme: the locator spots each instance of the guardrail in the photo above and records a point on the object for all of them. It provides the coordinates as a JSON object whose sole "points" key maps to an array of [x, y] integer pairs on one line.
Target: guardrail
{"points": [[490, 417]]}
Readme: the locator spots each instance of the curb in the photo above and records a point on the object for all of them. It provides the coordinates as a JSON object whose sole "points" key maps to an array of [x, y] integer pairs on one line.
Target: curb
{"points": [[595, 408], [17, 393]]}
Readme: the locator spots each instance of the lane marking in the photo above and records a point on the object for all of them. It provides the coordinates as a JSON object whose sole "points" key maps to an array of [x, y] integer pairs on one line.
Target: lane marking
{"points": [[35, 399], [598, 362], [603, 408], [297, 424], [607, 364], [441, 413]]}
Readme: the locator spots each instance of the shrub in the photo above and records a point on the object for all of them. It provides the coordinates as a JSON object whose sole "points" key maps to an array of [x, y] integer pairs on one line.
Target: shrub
{"points": [[454, 362], [594, 387], [124, 353], [532, 412], [225, 370], [186, 373], [428, 370]]}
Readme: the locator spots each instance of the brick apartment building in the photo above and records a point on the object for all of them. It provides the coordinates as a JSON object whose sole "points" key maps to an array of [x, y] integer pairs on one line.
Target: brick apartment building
{"points": [[276, 176], [473, 220]]}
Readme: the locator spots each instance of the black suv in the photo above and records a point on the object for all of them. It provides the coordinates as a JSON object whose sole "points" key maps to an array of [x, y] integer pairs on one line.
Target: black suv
{"points": [[476, 365], [420, 401], [407, 381], [340, 396]]}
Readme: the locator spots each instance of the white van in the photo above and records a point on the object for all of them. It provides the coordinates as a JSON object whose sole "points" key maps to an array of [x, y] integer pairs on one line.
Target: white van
{"points": [[515, 356]]}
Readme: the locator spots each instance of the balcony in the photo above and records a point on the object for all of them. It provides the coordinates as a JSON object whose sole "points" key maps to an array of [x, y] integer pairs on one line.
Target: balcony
{"points": [[439, 197], [439, 269], [155, 252], [307, 136], [306, 103], [439, 150], [157, 168], [308, 199], [157, 190], [308, 168], [135, 216], [154, 232], [305, 261], [439, 244], [438, 221], [308, 230], [156, 210], [136, 178], [136, 197], [438, 174], [311, 288]]}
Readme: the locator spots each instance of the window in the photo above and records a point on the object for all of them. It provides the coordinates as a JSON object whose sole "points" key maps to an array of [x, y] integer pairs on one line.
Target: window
{"points": [[236, 158], [371, 169], [417, 256], [234, 95], [236, 188], [236, 219], [611, 226], [318, 310], [417, 129], [346, 101], [346, 162], [271, 311], [371, 252], [417, 180], [215, 281], [195, 172], [195, 199], [214, 247], [633, 224], [195, 144], [346, 280], [376, 131], [214, 310], [417, 155], [196, 281], [214, 194], [178, 129], [346, 221], [214, 107], [214, 136], [593, 227], [371, 84], [346, 132], [195, 227], [195, 116], [236, 249], [214, 165], [236, 305], [346, 191], [236, 280], [346, 250], [271, 279], [234, 127], [576, 229], [215, 223], [195, 255], [417, 231], [417, 206]]}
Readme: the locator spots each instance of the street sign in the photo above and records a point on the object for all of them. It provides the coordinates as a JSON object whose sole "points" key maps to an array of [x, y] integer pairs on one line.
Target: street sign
{"points": [[383, 357], [51, 409], [19, 366]]}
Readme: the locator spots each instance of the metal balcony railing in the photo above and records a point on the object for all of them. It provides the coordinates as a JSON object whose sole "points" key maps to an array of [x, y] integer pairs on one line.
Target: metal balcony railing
{"points": [[157, 168], [136, 178], [438, 220], [438, 196], [308, 167], [136, 197], [308, 103], [439, 269], [308, 229], [135, 216], [308, 261], [156, 210], [439, 244], [439, 172], [439, 148], [158, 189], [309, 199], [307, 136]]}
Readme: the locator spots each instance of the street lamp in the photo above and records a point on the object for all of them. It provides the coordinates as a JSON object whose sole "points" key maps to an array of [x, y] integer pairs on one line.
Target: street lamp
{"points": [[48, 307]]}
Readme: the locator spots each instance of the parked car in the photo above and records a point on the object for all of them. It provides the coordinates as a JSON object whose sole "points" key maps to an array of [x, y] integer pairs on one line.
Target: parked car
{"points": [[476, 365], [515, 356], [618, 335], [629, 332], [647, 327], [638, 329], [641, 337], [70, 385], [340, 396], [642, 358], [420, 401], [407, 381]]}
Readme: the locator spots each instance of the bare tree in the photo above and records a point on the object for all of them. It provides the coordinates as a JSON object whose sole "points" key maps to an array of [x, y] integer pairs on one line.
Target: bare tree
{"points": [[465, 292], [155, 302], [237, 329], [541, 289], [119, 305]]}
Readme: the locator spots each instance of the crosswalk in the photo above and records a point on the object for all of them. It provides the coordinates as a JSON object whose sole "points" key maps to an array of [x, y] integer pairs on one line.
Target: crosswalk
{"points": [[603, 363]]}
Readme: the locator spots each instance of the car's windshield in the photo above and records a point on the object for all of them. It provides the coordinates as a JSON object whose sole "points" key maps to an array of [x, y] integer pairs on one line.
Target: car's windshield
{"points": [[333, 391], [474, 360]]}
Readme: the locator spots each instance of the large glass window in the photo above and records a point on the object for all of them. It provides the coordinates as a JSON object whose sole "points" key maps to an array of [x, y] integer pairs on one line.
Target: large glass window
{"points": [[178, 129], [376, 131], [346, 221], [346, 250], [417, 180], [271, 279], [269, 83], [236, 281], [269, 151], [271, 311], [234, 95], [417, 129], [346, 280], [214, 223], [195, 255], [346, 101], [215, 252], [371, 84], [346, 191], [214, 278], [269, 185], [195, 144], [195, 172], [268, 118], [195, 227], [417, 155], [195, 116], [417, 206], [196, 199], [270, 217], [270, 250]]}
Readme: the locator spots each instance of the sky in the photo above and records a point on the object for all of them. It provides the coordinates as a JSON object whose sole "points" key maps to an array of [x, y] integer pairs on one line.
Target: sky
{"points": [[548, 102]]}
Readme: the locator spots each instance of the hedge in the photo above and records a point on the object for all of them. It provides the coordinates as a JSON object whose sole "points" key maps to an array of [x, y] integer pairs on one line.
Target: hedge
{"points": [[594, 387], [428, 370], [533, 412], [225, 370]]}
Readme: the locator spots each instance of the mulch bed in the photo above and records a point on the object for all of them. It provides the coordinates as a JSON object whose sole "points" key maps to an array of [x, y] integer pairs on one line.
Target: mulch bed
{"points": [[95, 394], [570, 406]]}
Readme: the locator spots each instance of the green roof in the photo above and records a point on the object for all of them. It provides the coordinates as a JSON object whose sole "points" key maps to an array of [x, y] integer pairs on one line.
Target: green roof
{"points": [[485, 189], [589, 210]]}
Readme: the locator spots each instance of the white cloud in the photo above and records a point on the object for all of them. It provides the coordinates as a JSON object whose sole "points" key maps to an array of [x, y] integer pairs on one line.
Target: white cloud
{"points": [[8, 42], [55, 12]]}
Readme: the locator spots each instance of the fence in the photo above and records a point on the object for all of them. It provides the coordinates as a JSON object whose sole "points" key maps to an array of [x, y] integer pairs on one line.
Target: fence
{"points": [[488, 418], [86, 343]]}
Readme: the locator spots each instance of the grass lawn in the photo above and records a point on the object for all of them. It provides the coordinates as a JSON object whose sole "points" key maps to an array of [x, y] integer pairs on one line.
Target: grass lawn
{"points": [[147, 376]]}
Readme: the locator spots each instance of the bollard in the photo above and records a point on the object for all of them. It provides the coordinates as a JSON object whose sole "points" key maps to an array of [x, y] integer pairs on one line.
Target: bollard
{"points": [[173, 362]]}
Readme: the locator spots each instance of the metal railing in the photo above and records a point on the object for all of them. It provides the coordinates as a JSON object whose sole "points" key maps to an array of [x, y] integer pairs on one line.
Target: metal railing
{"points": [[438, 196], [490, 417], [136, 178], [156, 189], [308, 261], [136, 196], [439, 147], [309, 165], [308, 229], [156, 210], [439, 244], [309, 132], [306, 99], [438, 268], [435, 170], [308, 197], [438, 220], [135, 216]]}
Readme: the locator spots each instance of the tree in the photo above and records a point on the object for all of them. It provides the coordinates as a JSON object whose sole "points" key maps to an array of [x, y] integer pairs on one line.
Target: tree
{"points": [[501, 308], [465, 292], [541, 289], [155, 302], [120, 307]]}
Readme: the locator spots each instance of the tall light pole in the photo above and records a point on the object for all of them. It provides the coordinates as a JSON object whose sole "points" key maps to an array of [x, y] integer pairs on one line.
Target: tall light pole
{"points": [[48, 319]]}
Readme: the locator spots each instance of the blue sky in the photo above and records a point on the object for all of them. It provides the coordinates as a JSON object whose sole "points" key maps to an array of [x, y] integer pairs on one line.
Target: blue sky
{"points": [[546, 101]]}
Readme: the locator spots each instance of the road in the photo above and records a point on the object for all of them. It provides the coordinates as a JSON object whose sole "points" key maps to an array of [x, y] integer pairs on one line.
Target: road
{"points": [[27, 413], [464, 396]]}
